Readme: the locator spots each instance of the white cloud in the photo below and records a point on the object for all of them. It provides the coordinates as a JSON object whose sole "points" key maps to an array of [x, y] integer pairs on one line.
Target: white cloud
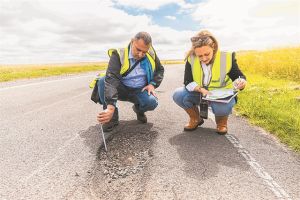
{"points": [[251, 24], [65, 31], [170, 17], [150, 5], [39, 31]]}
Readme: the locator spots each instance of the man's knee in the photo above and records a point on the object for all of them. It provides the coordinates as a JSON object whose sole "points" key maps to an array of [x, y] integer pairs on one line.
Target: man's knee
{"points": [[101, 82], [149, 103]]}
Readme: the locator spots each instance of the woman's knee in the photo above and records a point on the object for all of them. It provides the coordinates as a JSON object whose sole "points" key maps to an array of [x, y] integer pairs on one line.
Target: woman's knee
{"points": [[178, 95], [221, 109]]}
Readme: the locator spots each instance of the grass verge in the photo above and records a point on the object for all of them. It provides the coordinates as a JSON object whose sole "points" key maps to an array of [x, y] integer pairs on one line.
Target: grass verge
{"points": [[274, 105], [9, 73]]}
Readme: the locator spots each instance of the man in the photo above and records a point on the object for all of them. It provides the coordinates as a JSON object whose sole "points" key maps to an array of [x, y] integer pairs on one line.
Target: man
{"points": [[132, 75]]}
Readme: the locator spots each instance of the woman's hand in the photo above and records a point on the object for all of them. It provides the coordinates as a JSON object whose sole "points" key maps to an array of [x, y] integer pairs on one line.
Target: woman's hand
{"points": [[239, 83], [201, 90]]}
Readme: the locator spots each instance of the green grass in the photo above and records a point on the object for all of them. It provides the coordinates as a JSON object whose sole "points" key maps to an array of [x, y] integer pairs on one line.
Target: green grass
{"points": [[9, 73], [273, 105]]}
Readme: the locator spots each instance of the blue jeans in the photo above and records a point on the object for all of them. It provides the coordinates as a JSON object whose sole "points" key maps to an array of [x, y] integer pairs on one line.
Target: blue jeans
{"points": [[185, 99], [142, 101]]}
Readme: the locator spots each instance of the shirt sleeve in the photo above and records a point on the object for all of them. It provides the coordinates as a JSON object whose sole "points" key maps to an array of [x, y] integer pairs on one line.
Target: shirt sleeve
{"points": [[191, 86]]}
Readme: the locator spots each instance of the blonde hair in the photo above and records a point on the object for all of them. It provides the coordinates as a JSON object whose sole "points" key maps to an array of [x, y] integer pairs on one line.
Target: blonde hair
{"points": [[203, 38]]}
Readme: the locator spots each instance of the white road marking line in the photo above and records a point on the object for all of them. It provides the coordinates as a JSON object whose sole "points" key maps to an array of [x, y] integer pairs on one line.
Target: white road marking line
{"points": [[44, 82], [260, 171]]}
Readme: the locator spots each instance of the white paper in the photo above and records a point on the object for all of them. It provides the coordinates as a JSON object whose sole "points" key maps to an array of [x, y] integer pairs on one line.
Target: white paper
{"points": [[220, 93]]}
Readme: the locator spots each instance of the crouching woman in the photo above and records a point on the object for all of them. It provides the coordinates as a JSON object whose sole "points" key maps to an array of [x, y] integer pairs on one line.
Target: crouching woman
{"points": [[207, 68]]}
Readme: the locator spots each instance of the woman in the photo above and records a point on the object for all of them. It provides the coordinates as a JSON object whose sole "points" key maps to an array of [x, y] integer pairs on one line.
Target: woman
{"points": [[207, 68]]}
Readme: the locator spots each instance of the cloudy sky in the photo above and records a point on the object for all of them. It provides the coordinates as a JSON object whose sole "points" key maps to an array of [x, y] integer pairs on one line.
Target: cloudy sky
{"points": [[51, 31]]}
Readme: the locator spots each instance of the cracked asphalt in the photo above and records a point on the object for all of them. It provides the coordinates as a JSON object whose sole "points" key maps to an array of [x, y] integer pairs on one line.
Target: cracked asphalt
{"points": [[51, 148]]}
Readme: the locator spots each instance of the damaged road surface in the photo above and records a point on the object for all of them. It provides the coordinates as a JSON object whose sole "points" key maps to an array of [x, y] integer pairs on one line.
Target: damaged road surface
{"points": [[119, 171], [51, 148]]}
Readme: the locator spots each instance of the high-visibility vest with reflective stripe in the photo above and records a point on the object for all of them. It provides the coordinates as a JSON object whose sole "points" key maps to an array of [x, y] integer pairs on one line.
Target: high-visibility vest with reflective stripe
{"points": [[221, 67], [124, 58]]}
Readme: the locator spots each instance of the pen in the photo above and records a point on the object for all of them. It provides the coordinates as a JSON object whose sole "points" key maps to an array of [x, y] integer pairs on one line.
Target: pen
{"points": [[103, 137]]}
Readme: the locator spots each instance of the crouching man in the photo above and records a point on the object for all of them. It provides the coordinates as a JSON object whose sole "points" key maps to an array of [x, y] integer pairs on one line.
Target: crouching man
{"points": [[133, 74]]}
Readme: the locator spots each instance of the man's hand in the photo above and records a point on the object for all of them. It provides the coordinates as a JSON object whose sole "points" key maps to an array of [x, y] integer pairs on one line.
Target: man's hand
{"points": [[150, 88], [106, 115]]}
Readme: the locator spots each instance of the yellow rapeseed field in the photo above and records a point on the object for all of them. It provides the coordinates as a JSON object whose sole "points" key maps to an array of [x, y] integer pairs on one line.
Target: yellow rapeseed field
{"points": [[276, 63]]}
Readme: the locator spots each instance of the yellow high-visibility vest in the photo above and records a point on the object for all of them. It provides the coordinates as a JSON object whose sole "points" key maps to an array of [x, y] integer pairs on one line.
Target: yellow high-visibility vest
{"points": [[124, 58], [221, 67]]}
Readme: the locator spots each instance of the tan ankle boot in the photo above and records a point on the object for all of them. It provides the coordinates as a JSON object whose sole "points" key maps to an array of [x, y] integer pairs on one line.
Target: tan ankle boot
{"points": [[201, 121], [194, 119], [221, 124]]}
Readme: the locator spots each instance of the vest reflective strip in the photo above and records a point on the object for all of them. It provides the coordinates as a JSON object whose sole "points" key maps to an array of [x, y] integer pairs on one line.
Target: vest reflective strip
{"points": [[216, 70], [124, 60], [221, 66], [121, 53]]}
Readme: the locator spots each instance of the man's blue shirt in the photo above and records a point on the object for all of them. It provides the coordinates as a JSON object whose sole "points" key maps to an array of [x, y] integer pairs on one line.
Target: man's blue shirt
{"points": [[137, 78]]}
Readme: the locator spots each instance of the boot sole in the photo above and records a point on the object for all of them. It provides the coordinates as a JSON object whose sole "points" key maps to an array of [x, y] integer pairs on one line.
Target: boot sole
{"points": [[192, 129], [222, 133], [201, 122]]}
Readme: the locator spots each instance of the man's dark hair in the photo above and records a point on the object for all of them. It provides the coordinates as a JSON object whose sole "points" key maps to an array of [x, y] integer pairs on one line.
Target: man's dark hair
{"points": [[144, 36]]}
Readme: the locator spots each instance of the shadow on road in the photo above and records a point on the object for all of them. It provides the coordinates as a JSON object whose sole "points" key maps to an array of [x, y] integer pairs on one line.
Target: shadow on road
{"points": [[204, 152], [92, 138]]}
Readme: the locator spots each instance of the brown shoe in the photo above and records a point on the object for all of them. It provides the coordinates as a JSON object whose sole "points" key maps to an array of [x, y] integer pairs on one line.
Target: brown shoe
{"points": [[221, 124], [194, 119], [201, 121]]}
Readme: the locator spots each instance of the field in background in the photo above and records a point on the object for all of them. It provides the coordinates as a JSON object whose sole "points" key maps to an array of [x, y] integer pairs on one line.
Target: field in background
{"points": [[277, 63], [272, 96], [14, 72]]}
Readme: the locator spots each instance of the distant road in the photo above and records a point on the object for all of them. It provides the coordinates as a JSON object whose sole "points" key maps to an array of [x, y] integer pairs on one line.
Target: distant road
{"points": [[49, 144]]}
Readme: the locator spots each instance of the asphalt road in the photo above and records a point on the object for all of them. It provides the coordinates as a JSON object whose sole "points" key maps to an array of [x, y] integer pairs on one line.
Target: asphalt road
{"points": [[50, 146]]}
